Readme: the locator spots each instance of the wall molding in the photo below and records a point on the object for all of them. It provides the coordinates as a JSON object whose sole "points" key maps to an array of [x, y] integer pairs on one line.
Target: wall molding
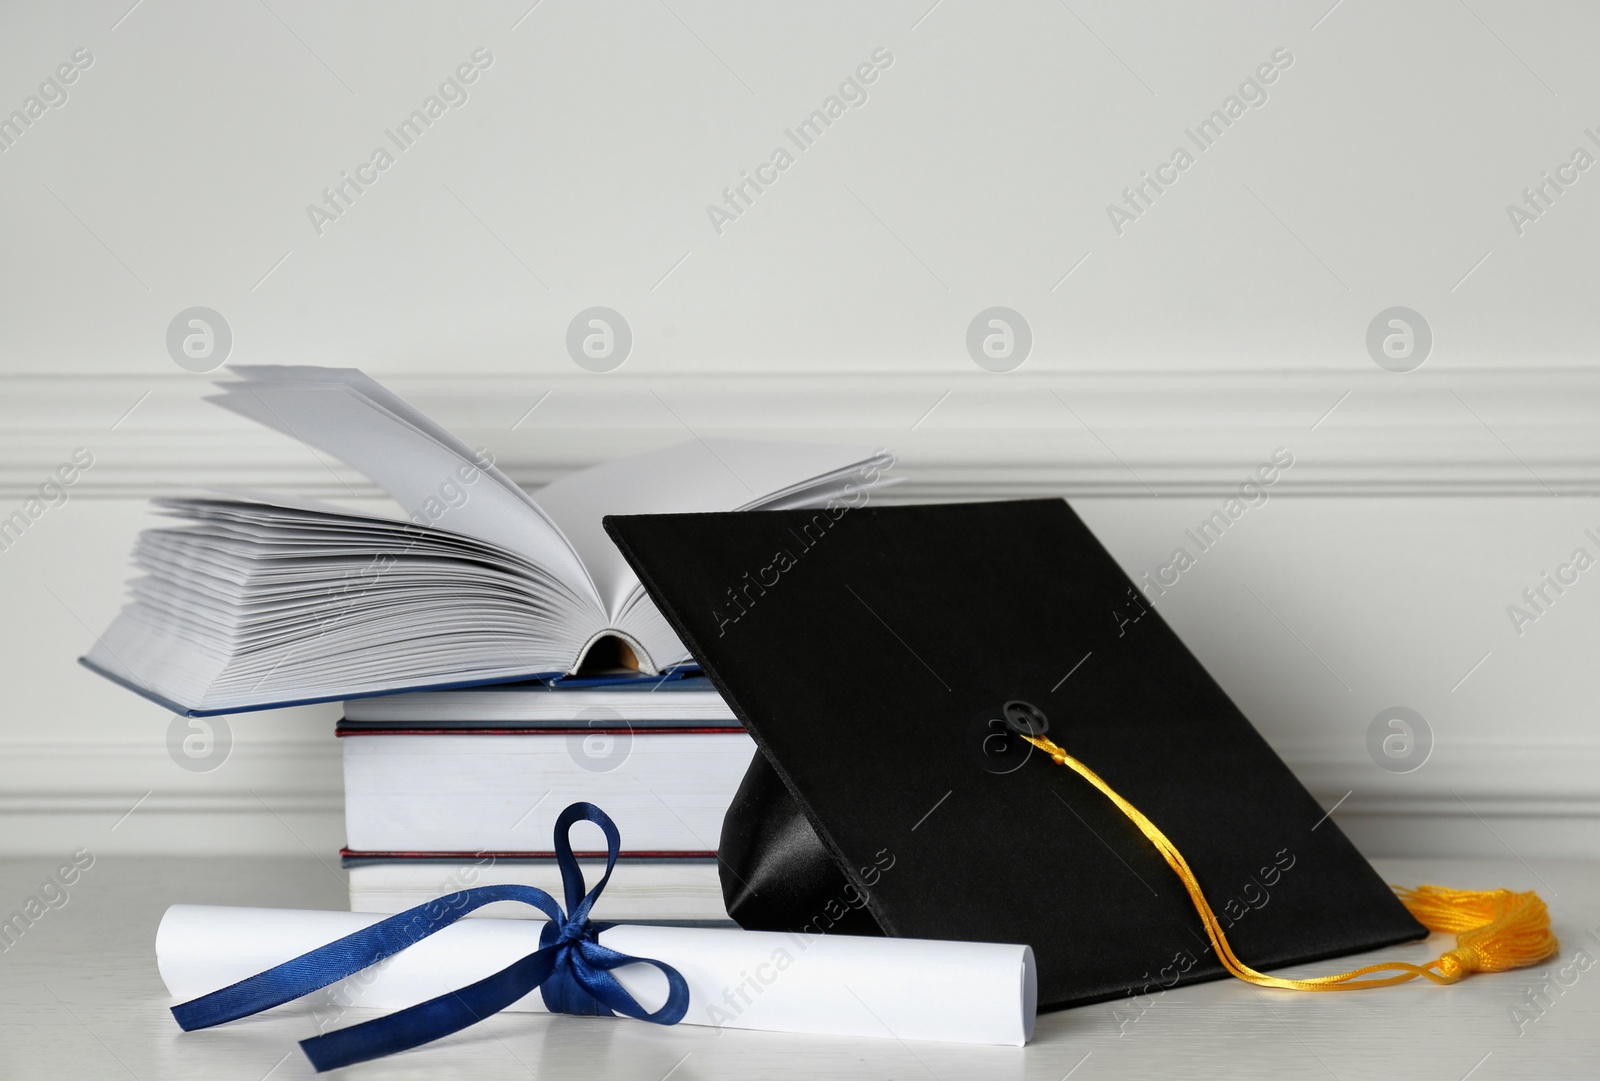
{"points": [[1490, 434], [1495, 432], [286, 798], [277, 798], [109, 777]]}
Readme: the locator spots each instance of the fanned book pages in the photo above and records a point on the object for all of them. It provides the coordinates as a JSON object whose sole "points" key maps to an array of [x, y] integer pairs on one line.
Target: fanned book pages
{"points": [[252, 602]]}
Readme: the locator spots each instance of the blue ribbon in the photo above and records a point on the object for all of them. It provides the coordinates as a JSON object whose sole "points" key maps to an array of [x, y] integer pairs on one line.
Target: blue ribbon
{"points": [[571, 969]]}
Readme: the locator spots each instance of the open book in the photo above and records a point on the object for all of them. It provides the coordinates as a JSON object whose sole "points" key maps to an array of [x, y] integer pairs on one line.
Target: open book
{"points": [[255, 602]]}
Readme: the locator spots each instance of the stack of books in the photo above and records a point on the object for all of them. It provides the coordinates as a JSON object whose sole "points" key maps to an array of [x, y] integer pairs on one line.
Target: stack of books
{"points": [[497, 657], [445, 790]]}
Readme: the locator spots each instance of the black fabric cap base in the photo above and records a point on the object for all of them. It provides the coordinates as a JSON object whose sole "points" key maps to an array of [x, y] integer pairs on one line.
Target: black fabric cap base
{"points": [[871, 652]]}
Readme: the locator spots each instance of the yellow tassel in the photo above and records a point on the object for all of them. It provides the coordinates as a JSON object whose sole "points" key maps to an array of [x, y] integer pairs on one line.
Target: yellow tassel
{"points": [[1495, 930]]}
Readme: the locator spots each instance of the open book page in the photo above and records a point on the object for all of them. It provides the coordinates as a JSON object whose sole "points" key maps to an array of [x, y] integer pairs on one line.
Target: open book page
{"points": [[435, 483], [372, 390], [700, 475]]}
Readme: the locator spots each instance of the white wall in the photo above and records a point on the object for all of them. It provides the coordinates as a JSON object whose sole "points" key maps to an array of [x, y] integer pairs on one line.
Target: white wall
{"points": [[1229, 320]]}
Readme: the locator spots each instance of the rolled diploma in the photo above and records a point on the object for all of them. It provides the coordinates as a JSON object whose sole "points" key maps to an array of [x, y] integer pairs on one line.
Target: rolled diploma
{"points": [[837, 985]]}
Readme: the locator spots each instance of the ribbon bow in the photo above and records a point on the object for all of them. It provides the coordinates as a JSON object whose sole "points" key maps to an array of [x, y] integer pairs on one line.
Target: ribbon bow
{"points": [[571, 969]]}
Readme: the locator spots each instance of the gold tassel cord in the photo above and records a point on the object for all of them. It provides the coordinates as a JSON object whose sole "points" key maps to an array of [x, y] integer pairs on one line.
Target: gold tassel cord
{"points": [[1495, 930]]}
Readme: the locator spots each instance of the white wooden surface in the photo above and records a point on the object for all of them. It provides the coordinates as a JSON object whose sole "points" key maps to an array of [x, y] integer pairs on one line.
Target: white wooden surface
{"points": [[80, 997]]}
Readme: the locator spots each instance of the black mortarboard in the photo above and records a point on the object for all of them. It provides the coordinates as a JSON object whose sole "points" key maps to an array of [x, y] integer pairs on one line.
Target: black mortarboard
{"points": [[877, 655]]}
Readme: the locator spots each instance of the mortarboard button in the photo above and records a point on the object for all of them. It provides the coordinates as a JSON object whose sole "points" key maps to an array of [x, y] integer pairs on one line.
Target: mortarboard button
{"points": [[1025, 719]]}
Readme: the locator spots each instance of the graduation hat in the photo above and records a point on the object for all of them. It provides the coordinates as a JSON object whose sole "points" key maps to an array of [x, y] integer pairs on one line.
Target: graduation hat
{"points": [[908, 674]]}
